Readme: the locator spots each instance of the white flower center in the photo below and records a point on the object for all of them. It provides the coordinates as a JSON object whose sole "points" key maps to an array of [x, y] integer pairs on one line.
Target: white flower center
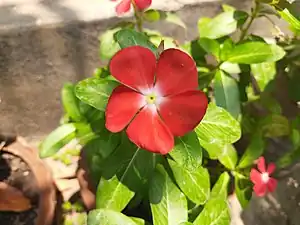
{"points": [[265, 177], [152, 97]]}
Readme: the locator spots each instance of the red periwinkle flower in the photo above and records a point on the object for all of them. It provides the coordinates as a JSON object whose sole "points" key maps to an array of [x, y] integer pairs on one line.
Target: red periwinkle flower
{"points": [[156, 99], [124, 5], [263, 183]]}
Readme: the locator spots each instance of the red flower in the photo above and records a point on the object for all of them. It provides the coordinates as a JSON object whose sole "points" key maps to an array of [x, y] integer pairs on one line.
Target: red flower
{"points": [[263, 183], [158, 99], [124, 5]]}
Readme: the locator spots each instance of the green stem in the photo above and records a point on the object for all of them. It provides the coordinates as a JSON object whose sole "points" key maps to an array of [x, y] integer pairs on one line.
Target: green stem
{"points": [[138, 15], [253, 15]]}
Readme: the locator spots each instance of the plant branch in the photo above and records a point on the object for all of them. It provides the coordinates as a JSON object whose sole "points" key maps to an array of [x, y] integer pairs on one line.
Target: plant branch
{"points": [[138, 17], [253, 15]]}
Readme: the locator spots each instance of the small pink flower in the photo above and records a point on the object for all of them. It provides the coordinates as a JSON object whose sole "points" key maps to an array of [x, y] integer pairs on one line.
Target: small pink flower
{"points": [[263, 183], [124, 5]]}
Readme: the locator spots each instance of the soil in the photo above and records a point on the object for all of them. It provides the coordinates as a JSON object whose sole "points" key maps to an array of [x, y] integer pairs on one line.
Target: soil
{"points": [[16, 173]]}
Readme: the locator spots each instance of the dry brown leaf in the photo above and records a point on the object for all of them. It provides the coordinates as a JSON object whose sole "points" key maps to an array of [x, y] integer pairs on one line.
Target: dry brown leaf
{"points": [[11, 199]]}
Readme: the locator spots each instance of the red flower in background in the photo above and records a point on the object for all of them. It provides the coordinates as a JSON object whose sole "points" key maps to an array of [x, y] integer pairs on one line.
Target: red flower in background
{"points": [[263, 183], [124, 5], [157, 99]]}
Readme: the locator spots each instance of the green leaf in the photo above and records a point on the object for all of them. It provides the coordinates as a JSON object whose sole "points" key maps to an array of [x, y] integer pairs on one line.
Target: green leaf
{"points": [[113, 194], [215, 212], [228, 8], [226, 48], [210, 46], [253, 151], [195, 184], [229, 157], [95, 91], [263, 73], [243, 189], [151, 15], [57, 139], [227, 94], [175, 19], [186, 223], [217, 129], [220, 189], [220, 26], [124, 172], [187, 151], [168, 204], [108, 217], [275, 126], [71, 102], [108, 46], [231, 68], [291, 19], [139, 221], [99, 149], [255, 52], [129, 37], [288, 158]]}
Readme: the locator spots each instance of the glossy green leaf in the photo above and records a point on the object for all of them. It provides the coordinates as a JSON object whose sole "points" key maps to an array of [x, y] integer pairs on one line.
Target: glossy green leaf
{"points": [[187, 151], [70, 102], [231, 68], [168, 203], [210, 46], [255, 52], [263, 73], [253, 151], [124, 172], [139, 221], [129, 37], [98, 149], [215, 211], [57, 139], [108, 46], [195, 184], [95, 91], [186, 223], [291, 19], [220, 189], [275, 126], [227, 94], [226, 48], [151, 15], [222, 25], [217, 129], [243, 189], [113, 194], [108, 217], [229, 157]]}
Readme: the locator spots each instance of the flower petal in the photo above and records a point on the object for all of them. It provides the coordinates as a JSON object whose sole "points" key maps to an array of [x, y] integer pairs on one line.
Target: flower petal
{"points": [[134, 67], [255, 176], [123, 7], [176, 72], [143, 4], [271, 168], [260, 189], [272, 184], [261, 164], [183, 112], [122, 106], [149, 132]]}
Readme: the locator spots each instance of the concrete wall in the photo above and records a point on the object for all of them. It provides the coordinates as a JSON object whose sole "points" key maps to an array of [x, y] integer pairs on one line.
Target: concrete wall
{"points": [[44, 44]]}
